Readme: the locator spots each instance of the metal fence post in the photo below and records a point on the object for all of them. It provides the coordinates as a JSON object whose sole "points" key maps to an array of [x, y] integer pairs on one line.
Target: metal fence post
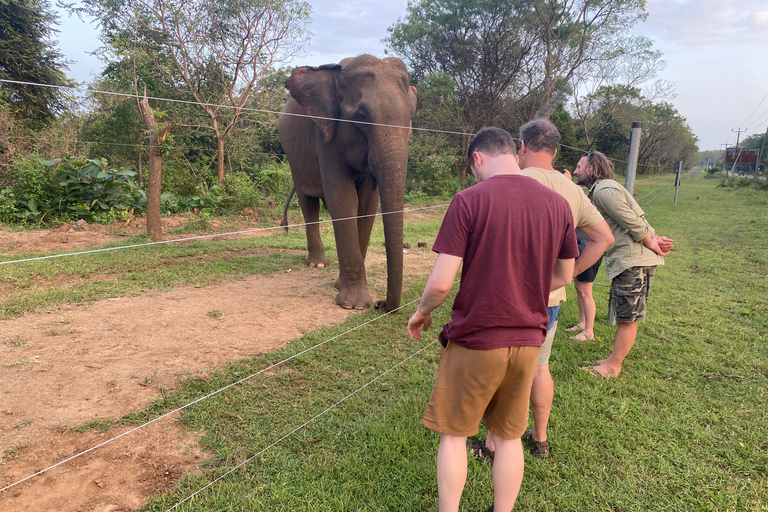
{"points": [[634, 150], [677, 179]]}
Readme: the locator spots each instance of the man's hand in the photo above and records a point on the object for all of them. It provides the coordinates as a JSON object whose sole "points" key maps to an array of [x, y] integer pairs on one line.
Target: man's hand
{"points": [[665, 244], [419, 322], [661, 245]]}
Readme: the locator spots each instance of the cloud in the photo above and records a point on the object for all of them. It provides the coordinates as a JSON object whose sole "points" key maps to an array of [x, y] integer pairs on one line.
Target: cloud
{"points": [[344, 29], [708, 22]]}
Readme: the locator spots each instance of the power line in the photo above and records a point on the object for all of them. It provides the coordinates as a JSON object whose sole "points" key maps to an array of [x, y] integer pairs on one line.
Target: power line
{"points": [[753, 112]]}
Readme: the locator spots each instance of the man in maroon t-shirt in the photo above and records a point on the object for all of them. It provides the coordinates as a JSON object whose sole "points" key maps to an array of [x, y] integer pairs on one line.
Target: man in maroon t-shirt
{"points": [[517, 242]]}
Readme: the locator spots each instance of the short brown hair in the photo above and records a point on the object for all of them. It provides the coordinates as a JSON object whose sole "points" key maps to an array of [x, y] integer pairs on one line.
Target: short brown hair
{"points": [[602, 167], [540, 135], [492, 141]]}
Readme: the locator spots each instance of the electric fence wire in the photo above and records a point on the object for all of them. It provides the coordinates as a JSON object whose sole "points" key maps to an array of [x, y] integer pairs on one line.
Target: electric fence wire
{"points": [[209, 395], [265, 111], [215, 235], [135, 145], [289, 434]]}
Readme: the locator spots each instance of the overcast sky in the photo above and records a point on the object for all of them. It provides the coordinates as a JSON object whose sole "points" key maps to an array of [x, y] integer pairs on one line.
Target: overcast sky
{"points": [[716, 52]]}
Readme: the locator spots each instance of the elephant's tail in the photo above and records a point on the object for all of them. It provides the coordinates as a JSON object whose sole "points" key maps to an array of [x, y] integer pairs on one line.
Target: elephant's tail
{"points": [[284, 222]]}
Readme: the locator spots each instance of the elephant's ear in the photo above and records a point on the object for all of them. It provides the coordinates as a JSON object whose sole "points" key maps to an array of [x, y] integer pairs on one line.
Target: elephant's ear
{"points": [[315, 90], [412, 98]]}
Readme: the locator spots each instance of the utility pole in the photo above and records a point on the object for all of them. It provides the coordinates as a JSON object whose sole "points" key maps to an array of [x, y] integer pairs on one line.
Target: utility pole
{"points": [[677, 179], [738, 134], [634, 151], [725, 158]]}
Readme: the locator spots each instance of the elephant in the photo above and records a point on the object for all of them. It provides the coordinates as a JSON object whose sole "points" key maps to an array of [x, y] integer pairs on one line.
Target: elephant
{"points": [[342, 153]]}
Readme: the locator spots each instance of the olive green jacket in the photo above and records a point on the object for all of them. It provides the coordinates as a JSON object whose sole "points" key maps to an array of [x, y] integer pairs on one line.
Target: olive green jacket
{"points": [[628, 225]]}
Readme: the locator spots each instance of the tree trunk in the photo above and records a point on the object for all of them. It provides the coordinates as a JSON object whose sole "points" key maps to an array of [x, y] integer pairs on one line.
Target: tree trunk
{"points": [[220, 159], [154, 186]]}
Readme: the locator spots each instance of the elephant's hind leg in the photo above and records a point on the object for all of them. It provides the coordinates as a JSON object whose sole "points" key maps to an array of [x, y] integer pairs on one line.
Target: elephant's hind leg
{"points": [[310, 207]]}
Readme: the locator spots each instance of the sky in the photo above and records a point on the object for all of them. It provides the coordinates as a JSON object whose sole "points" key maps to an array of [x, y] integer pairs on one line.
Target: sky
{"points": [[716, 53]]}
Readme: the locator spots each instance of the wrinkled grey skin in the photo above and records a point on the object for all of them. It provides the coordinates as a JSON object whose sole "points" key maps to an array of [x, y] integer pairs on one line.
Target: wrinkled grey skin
{"points": [[350, 166]]}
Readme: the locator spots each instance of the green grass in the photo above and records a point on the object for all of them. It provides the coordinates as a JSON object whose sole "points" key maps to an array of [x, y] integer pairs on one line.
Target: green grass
{"points": [[685, 427]]}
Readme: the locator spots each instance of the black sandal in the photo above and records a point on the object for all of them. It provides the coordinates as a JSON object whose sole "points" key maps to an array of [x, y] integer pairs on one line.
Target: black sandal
{"points": [[477, 448], [540, 449]]}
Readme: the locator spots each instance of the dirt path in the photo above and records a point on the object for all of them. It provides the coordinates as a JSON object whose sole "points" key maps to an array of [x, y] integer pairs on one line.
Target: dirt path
{"points": [[77, 364]]}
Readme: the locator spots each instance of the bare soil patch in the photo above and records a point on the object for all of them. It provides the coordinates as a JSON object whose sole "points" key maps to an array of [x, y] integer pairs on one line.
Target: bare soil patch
{"points": [[76, 364]]}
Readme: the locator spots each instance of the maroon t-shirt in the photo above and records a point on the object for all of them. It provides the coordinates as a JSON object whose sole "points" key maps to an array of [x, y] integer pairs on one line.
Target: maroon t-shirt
{"points": [[510, 230]]}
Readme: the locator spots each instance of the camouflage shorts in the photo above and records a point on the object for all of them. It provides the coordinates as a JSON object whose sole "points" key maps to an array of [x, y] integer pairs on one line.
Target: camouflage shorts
{"points": [[629, 294]]}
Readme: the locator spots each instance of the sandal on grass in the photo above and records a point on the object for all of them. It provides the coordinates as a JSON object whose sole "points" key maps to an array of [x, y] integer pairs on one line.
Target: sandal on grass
{"points": [[477, 448], [583, 336], [575, 328], [540, 449]]}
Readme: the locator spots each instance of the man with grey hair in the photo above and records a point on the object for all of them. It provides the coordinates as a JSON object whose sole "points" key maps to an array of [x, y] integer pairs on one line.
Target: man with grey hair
{"points": [[538, 146]]}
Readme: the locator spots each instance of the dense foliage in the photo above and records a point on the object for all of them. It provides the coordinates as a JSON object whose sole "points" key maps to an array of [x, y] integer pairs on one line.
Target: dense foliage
{"points": [[474, 63], [26, 55]]}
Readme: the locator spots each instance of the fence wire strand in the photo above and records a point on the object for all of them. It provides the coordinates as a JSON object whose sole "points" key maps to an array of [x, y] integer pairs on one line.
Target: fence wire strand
{"points": [[215, 235], [209, 395], [289, 434]]}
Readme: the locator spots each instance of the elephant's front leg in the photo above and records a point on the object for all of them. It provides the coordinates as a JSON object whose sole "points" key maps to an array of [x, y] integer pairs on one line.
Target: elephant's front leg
{"points": [[310, 208], [352, 283]]}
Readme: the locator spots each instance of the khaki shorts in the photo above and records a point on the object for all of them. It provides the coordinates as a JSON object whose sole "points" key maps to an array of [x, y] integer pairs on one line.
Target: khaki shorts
{"points": [[492, 385], [546, 348], [629, 295]]}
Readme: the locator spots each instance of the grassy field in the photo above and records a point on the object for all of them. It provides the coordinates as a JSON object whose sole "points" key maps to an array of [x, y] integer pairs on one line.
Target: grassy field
{"points": [[685, 427]]}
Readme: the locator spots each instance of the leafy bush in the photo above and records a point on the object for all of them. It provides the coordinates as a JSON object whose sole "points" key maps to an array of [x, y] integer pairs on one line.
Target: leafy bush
{"points": [[88, 187], [8, 207], [243, 191], [433, 175], [274, 180]]}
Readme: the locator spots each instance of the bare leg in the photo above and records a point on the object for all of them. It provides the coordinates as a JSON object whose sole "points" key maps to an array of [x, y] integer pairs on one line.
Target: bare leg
{"points": [[580, 301], [451, 471], [542, 395], [587, 308], [626, 333], [508, 467]]}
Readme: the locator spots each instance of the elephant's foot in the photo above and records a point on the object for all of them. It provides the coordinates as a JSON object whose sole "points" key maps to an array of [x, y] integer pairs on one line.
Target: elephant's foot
{"points": [[316, 261], [337, 284], [354, 298]]}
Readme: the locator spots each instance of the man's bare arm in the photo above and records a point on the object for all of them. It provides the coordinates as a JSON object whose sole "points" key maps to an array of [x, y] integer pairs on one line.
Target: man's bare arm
{"points": [[562, 273], [436, 290], [661, 245], [600, 238]]}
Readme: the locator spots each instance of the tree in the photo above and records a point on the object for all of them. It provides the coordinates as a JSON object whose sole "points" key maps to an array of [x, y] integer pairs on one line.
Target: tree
{"points": [[212, 52], [482, 46], [575, 33], [28, 55], [614, 83]]}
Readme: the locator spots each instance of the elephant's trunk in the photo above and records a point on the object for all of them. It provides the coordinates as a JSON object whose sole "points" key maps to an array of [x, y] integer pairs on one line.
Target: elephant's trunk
{"points": [[390, 176]]}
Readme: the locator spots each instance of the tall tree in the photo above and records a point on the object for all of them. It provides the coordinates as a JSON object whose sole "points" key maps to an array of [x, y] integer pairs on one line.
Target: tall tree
{"points": [[482, 46], [575, 33], [27, 54], [214, 52]]}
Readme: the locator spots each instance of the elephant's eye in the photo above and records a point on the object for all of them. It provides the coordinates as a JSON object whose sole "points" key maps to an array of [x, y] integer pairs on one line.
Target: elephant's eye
{"points": [[359, 116]]}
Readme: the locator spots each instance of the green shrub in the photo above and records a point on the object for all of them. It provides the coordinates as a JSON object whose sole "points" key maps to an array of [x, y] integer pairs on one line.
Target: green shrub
{"points": [[433, 175], [8, 207], [274, 180], [243, 191]]}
